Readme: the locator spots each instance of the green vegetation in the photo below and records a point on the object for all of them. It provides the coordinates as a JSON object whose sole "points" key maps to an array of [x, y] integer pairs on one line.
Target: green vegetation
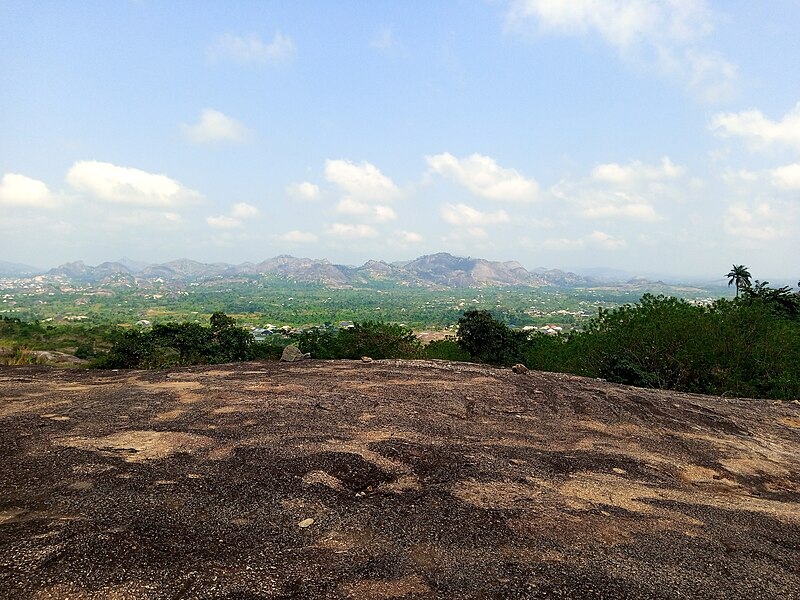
{"points": [[180, 344], [259, 301], [746, 347], [370, 338], [743, 346]]}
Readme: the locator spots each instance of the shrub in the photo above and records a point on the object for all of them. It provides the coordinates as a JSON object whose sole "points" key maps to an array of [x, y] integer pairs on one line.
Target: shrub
{"points": [[446, 349], [377, 340], [488, 340]]}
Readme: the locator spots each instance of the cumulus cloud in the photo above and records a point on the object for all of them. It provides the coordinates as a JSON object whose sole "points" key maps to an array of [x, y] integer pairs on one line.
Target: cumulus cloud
{"points": [[295, 236], [215, 126], [787, 177], [303, 191], [482, 176], [251, 49], [604, 241], [379, 213], [654, 33], [636, 172], [146, 219], [615, 191], [408, 237], [351, 230], [223, 222], [239, 212], [19, 190], [125, 185], [759, 130], [462, 215], [596, 239], [759, 223], [242, 210], [361, 182]]}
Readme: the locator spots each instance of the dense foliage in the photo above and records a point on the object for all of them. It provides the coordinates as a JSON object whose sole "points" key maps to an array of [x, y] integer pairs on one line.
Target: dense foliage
{"points": [[746, 347], [173, 344], [370, 338]]}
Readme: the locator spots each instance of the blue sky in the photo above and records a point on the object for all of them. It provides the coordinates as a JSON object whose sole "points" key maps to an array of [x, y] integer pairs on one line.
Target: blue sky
{"points": [[652, 136]]}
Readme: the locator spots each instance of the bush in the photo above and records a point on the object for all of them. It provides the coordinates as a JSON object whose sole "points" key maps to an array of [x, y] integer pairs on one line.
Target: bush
{"points": [[177, 344], [488, 340], [369, 338], [446, 349]]}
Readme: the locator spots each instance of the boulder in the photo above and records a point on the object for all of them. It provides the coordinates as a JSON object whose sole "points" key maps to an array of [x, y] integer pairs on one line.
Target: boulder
{"points": [[520, 369], [366, 359], [292, 354]]}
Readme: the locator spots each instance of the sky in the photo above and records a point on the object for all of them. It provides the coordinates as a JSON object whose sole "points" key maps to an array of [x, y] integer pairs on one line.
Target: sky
{"points": [[653, 136]]}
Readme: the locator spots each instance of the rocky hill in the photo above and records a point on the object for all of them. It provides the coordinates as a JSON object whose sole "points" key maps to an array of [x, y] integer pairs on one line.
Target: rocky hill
{"points": [[436, 271], [390, 479]]}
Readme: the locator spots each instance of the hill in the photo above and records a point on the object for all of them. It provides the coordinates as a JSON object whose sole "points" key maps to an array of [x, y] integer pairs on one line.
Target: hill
{"points": [[440, 270], [391, 479]]}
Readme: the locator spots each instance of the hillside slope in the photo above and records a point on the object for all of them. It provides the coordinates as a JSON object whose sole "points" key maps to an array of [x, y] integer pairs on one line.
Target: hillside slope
{"points": [[423, 480]]}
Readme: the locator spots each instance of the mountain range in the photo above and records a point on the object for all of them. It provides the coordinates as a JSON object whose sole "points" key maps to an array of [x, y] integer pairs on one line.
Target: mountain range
{"points": [[440, 270]]}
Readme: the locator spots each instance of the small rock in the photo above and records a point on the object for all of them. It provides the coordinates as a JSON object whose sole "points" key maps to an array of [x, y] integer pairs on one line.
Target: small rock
{"points": [[305, 523], [366, 359], [619, 471], [292, 354], [520, 369]]}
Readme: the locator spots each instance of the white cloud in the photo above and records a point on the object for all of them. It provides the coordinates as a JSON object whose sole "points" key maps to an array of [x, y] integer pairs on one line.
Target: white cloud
{"points": [[303, 191], [251, 49], [657, 34], [351, 230], [384, 39], [239, 211], [482, 176], [631, 191], [604, 241], [19, 190], [295, 236], [361, 182], [214, 126], [142, 219], [408, 237], [125, 185], [596, 239], [223, 222], [242, 210], [758, 129], [787, 177], [637, 211], [760, 223], [636, 171], [380, 213], [466, 216], [562, 244]]}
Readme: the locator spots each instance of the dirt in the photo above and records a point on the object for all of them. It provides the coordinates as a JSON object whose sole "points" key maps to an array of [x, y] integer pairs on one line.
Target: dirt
{"points": [[411, 479]]}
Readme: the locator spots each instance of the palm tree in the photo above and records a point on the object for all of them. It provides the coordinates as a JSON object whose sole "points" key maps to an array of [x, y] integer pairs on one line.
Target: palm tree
{"points": [[740, 276]]}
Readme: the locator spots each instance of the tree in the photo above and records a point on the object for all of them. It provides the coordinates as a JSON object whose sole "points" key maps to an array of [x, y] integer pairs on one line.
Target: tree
{"points": [[740, 276], [487, 339]]}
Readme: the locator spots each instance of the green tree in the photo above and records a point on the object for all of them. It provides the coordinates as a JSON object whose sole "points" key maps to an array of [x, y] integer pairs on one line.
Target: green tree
{"points": [[740, 276], [489, 340]]}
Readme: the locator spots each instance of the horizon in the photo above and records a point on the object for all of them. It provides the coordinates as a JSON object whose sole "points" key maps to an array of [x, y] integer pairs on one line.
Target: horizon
{"points": [[642, 136], [598, 271]]}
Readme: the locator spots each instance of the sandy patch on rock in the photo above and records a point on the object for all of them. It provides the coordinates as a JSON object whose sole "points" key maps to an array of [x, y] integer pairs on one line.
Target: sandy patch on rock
{"points": [[376, 589], [137, 446]]}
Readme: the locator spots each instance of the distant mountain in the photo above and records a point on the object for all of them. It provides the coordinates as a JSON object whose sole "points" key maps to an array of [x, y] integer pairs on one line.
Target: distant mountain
{"points": [[440, 270], [18, 269], [134, 266], [454, 271]]}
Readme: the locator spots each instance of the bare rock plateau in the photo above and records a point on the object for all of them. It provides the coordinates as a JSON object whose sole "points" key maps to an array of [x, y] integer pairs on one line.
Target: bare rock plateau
{"points": [[389, 479]]}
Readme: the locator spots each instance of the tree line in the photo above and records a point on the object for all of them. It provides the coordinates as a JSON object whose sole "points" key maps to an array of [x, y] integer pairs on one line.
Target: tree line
{"points": [[748, 346]]}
